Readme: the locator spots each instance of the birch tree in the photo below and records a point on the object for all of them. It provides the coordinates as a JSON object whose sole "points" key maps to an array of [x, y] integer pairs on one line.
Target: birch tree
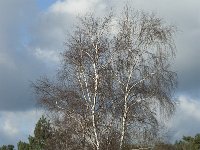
{"points": [[115, 81], [143, 49]]}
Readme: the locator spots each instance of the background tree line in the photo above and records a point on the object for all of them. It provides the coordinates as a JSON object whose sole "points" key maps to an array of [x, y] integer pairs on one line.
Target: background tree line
{"points": [[42, 140]]}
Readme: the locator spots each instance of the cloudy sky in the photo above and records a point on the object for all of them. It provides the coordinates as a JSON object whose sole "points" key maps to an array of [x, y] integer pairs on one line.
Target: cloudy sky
{"points": [[32, 33]]}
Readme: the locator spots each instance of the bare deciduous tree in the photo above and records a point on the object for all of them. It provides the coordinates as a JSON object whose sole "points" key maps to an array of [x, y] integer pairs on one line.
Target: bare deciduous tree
{"points": [[115, 81]]}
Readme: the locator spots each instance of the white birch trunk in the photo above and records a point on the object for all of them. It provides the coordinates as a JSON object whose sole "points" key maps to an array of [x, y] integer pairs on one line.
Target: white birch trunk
{"points": [[123, 122], [93, 108]]}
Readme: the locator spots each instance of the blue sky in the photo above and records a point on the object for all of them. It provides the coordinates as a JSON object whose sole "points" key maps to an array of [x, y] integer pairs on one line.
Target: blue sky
{"points": [[32, 33], [44, 4]]}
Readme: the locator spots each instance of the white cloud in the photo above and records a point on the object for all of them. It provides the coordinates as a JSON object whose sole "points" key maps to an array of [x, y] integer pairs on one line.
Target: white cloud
{"points": [[47, 55], [75, 7], [10, 128], [15, 126], [186, 119]]}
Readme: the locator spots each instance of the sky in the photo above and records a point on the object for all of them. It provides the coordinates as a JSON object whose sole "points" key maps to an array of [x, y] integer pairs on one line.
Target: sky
{"points": [[32, 33]]}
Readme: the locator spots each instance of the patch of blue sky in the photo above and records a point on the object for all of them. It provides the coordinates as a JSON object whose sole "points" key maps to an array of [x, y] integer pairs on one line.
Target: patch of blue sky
{"points": [[44, 4]]}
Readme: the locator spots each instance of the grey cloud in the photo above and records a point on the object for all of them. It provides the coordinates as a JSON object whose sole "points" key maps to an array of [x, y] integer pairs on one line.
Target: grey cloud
{"points": [[186, 119], [5, 139], [50, 31], [17, 125], [18, 65]]}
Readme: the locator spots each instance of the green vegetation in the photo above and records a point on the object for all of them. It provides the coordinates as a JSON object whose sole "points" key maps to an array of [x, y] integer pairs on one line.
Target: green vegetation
{"points": [[8, 147], [188, 143], [23, 146], [42, 133]]}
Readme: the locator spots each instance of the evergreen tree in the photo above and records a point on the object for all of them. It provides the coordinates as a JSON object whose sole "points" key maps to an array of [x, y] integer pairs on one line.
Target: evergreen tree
{"points": [[4, 147], [7, 147], [188, 143], [22, 145], [41, 134]]}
